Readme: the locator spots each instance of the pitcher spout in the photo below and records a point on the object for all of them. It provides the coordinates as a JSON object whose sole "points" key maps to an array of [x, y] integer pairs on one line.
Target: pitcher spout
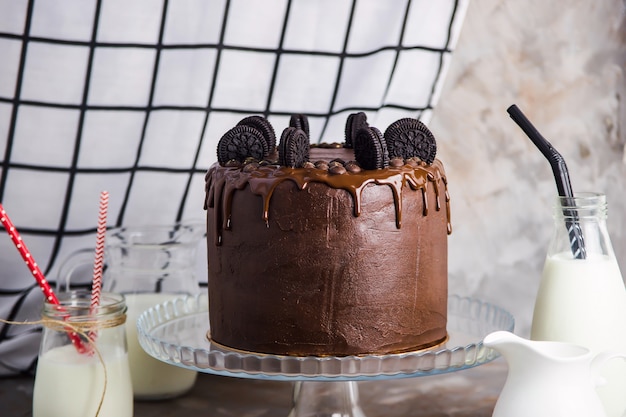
{"points": [[517, 349], [509, 345]]}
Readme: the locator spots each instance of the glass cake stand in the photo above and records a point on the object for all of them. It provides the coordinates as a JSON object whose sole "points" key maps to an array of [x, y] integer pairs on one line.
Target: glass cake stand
{"points": [[176, 332]]}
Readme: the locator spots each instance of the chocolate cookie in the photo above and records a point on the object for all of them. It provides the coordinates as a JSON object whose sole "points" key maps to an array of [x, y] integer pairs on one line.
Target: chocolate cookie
{"points": [[293, 148], [241, 143], [370, 149], [262, 125], [300, 121], [354, 122], [407, 138]]}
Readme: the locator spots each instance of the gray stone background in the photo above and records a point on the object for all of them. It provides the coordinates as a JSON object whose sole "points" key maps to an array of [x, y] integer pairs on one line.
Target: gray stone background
{"points": [[562, 63]]}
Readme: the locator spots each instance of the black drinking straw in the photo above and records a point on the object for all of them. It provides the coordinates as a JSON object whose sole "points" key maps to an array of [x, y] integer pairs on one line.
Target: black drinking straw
{"points": [[561, 175]]}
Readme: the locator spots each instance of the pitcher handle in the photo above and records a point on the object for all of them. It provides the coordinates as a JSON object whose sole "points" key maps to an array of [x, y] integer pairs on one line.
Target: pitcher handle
{"points": [[78, 264], [599, 361]]}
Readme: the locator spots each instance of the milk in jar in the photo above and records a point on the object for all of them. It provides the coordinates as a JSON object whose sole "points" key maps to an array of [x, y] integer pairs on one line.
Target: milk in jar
{"points": [[152, 377], [74, 380], [71, 384]]}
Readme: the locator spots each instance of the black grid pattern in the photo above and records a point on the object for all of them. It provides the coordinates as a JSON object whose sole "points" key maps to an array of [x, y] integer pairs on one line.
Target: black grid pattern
{"points": [[132, 97]]}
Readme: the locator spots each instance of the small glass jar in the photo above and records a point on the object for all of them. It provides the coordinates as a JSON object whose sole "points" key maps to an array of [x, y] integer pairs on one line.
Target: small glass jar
{"points": [[89, 377]]}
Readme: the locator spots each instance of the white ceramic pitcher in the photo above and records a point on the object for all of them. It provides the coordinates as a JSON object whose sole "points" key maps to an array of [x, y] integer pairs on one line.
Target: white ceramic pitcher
{"points": [[548, 379]]}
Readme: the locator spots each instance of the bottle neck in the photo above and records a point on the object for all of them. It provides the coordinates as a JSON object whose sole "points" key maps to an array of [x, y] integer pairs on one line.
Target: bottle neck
{"points": [[581, 207], [580, 227], [75, 307]]}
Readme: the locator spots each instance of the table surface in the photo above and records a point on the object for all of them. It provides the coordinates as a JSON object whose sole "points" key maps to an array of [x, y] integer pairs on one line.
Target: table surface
{"points": [[471, 392]]}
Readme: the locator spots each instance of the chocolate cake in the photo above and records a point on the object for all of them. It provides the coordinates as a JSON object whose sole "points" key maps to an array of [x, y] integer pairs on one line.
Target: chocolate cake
{"points": [[336, 249]]}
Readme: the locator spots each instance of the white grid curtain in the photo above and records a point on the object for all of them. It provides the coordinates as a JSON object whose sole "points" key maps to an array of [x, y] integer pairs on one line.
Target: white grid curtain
{"points": [[132, 97]]}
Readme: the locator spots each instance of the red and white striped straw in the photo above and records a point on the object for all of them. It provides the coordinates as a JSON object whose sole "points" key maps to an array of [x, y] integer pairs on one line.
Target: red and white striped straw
{"points": [[98, 264], [34, 268]]}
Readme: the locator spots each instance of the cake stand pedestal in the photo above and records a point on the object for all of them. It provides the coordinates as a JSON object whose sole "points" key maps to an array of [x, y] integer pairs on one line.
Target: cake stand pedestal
{"points": [[176, 332]]}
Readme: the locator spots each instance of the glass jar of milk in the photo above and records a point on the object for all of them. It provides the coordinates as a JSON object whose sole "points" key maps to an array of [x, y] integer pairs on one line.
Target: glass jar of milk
{"points": [[151, 265], [69, 383], [581, 298]]}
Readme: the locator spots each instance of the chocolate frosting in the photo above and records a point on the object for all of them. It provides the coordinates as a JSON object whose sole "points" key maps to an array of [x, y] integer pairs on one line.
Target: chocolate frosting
{"points": [[306, 262]]}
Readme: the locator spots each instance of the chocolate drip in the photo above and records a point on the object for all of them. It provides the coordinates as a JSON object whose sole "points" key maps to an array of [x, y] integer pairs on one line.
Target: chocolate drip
{"points": [[447, 196], [222, 183], [432, 179]]}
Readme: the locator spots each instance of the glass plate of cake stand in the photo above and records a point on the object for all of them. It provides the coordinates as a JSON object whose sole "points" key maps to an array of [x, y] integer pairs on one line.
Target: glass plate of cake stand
{"points": [[176, 331]]}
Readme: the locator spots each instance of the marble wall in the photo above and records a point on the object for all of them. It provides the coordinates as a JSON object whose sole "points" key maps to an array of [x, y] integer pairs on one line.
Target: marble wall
{"points": [[562, 64]]}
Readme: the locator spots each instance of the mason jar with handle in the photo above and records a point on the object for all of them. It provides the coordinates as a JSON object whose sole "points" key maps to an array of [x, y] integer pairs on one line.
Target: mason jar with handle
{"points": [[151, 265]]}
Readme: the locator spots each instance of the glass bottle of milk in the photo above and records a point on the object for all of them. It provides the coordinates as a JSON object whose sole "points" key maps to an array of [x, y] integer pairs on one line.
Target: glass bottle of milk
{"points": [[582, 298], [151, 265], [69, 383]]}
